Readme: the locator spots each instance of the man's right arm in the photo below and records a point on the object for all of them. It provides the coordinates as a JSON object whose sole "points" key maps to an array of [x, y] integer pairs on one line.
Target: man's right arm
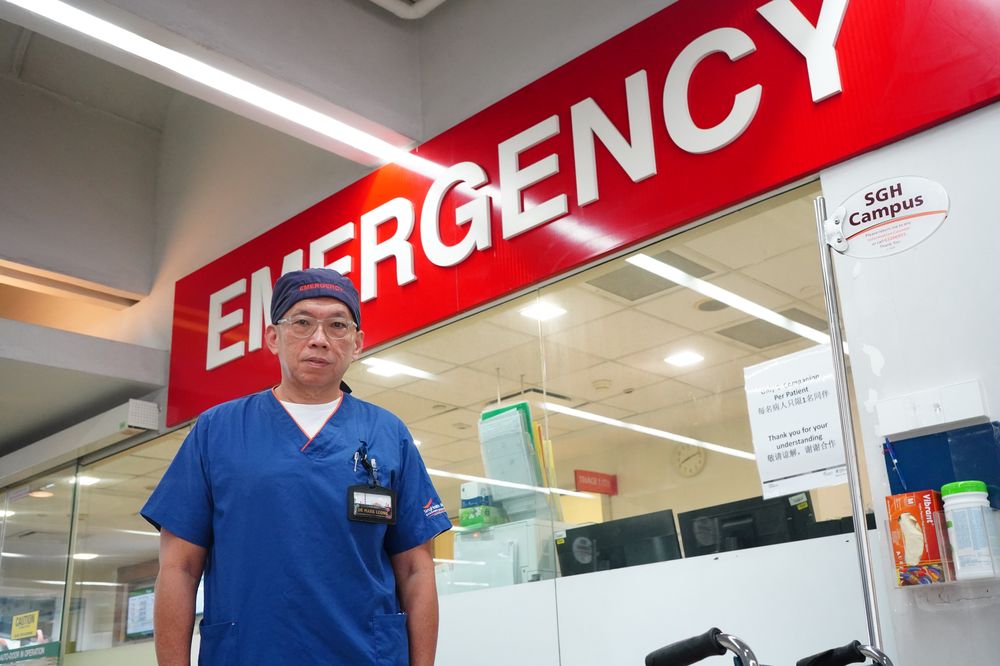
{"points": [[181, 566]]}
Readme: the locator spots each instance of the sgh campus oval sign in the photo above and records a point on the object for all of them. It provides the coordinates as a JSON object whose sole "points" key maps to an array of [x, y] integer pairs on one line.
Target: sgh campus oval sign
{"points": [[891, 216]]}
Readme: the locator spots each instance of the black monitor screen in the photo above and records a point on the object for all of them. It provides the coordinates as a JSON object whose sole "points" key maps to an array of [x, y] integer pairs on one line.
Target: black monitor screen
{"points": [[614, 544], [746, 524]]}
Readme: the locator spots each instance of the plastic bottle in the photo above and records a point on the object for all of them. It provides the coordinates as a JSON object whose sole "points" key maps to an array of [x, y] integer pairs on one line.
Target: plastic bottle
{"points": [[972, 530]]}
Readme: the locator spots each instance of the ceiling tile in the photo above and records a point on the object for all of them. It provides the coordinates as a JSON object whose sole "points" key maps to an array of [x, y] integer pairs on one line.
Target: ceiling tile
{"points": [[685, 417], [162, 448], [680, 307], [125, 465], [457, 451], [752, 290], [655, 396], [623, 333], [714, 350], [429, 439], [580, 306], [409, 407], [599, 382], [796, 273], [722, 377], [360, 381], [467, 341], [444, 424], [462, 386], [372, 384], [790, 347], [522, 364], [751, 235], [560, 424]]}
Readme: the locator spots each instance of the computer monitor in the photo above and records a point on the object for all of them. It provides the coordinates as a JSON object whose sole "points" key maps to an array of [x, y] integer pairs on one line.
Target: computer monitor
{"points": [[746, 524], [836, 526], [626, 542]]}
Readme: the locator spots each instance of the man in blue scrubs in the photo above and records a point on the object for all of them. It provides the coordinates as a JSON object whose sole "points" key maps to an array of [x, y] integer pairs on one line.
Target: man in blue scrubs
{"points": [[308, 511]]}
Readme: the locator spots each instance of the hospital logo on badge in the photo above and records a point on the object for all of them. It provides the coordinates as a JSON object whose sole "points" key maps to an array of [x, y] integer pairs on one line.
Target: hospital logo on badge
{"points": [[433, 508]]}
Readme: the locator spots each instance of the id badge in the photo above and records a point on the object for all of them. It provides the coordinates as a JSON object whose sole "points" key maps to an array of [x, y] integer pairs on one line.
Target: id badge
{"points": [[371, 504]]}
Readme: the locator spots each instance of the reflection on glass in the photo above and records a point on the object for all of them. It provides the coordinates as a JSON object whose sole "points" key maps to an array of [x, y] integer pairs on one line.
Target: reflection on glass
{"points": [[116, 555], [631, 372], [34, 547]]}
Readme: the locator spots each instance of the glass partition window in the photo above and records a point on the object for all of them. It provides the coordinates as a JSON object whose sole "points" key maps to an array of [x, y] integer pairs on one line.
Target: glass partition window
{"points": [[596, 423], [116, 555], [34, 550], [633, 410]]}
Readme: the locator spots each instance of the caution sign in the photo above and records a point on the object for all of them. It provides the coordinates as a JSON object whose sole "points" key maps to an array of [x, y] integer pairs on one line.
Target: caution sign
{"points": [[24, 625]]}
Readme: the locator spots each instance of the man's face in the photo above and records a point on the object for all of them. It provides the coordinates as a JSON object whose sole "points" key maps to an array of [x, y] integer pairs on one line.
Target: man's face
{"points": [[315, 364]]}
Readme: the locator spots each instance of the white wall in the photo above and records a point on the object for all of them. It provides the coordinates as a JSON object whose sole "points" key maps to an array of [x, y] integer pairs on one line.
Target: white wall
{"points": [[786, 601], [928, 317], [77, 187], [475, 52]]}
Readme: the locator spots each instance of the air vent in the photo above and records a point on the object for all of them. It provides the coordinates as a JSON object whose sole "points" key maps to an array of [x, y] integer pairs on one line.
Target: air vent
{"points": [[633, 283], [806, 319], [531, 394], [761, 334]]}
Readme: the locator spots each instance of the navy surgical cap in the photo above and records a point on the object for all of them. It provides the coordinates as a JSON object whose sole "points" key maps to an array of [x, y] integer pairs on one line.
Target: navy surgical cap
{"points": [[313, 283]]}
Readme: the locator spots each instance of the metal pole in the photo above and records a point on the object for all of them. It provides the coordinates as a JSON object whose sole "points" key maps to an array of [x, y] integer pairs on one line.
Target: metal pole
{"points": [[847, 426], [67, 604]]}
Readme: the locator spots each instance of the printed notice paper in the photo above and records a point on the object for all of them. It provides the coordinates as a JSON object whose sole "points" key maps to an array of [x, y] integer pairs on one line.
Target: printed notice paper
{"points": [[795, 422]]}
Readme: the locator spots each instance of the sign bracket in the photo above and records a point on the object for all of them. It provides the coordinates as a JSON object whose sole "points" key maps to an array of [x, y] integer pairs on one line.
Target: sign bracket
{"points": [[832, 230]]}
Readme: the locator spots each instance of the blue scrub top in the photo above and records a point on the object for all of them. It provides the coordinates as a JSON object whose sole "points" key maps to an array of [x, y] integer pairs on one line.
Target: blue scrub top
{"points": [[288, 578]]}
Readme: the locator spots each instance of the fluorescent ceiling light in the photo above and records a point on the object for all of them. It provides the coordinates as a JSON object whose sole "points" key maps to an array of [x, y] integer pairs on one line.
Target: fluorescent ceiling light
{"points": [[215, 78], [7, 514], [653, 432], [383, 368], [140, 532], [668, 272], [684, 359], [41, 493], [85, 480], [441, 560], [96, 583], [509, 484], [12, 555], [542, 311], [85, 556]]}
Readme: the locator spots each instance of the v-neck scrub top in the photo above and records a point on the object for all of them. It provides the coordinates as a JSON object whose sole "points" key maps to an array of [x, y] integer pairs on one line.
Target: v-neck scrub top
{"points": [[288, 578]]}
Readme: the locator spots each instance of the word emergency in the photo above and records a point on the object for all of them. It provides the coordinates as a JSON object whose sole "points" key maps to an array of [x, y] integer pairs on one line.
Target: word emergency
{"points": [[588, 124]]}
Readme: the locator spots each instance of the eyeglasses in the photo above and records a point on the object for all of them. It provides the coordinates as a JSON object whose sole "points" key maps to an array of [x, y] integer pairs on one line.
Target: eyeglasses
{"points": [[304, 326]]}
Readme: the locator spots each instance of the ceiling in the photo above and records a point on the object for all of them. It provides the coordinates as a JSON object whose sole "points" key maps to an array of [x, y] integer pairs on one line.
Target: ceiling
{"points": [[38, 397], [37, 400], [84, 80]]}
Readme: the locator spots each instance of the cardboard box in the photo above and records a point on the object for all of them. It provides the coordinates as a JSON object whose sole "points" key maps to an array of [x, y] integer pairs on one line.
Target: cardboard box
{"points": [[914, 535]]}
